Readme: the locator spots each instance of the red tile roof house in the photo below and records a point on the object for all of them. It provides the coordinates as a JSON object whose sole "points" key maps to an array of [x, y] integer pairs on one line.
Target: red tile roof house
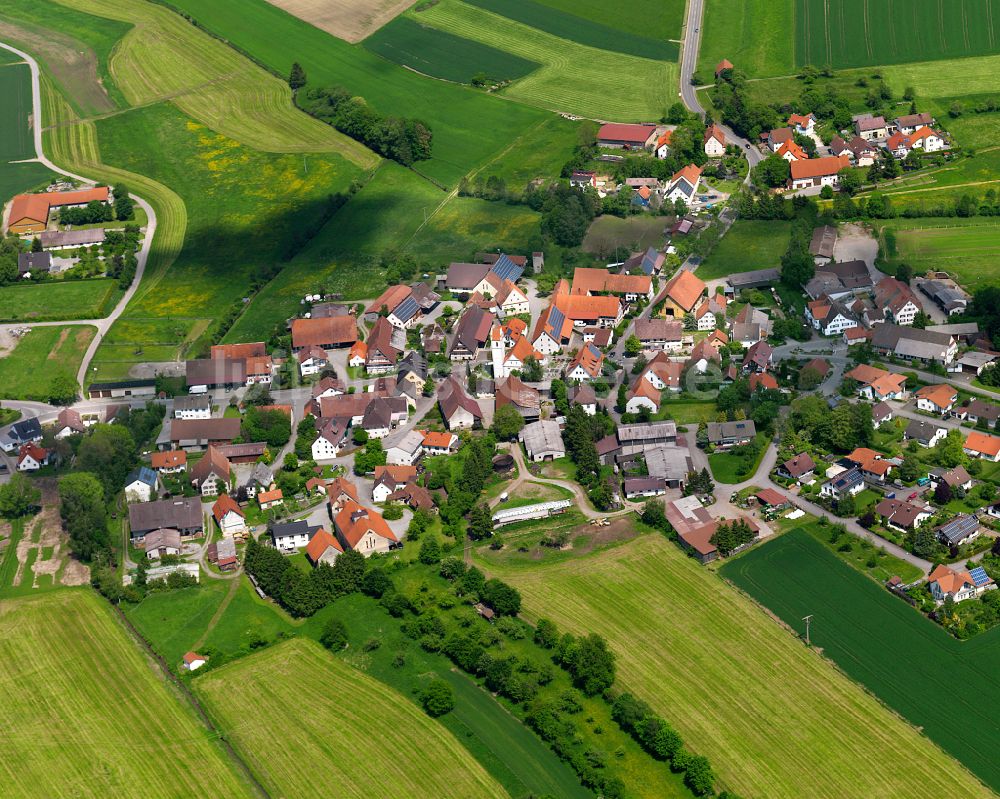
{"points": [[323, 548], [982, 445], [363, 530], [817, 172], [228, 516], [937, 399], [192, 661], [801, 467]]}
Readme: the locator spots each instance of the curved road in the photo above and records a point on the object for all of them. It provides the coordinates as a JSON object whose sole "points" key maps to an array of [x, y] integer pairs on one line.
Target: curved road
{"points": [[102, 325], [689, 62]]}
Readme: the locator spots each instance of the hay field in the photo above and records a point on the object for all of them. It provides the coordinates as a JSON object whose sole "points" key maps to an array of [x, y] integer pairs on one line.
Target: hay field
{"points": [[910, 663], [755, 35], [85, 714], [166, 57], [573, 78], [350, 20], [16, 141], [775, 719], [341, 732], [59, 350], [965, 248]]}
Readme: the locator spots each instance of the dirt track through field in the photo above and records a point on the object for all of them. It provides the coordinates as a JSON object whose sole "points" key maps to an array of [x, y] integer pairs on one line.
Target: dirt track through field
{"points": [[350, 20]]}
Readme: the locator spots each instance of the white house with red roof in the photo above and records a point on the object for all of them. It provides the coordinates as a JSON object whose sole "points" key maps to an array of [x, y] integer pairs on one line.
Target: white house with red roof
{"points": [[31, 458], [714, 141], [684, 184], [902, 144], [804, 125]]}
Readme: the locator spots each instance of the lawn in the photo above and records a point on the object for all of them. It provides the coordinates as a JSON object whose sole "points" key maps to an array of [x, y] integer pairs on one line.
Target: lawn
{"points": [[861, 553], [57, 300], [469, 126], [247, 213], [538, 152], [728, 468], [775, 719], [592, 27], [617, 238], [907, 661], [28, 371], [854, 33], [685, 411], [86, 714], [753, 35], [965, 248], [410, 43], [383, 745], [573, 78], [749, 245]]}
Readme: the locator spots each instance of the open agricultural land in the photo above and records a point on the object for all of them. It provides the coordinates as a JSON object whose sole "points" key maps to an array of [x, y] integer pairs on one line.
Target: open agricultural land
{"points": [[57, 300], [39, 356], [965, 248], [355, 736], [574, 78], [85, 713], [755, 35], [908, 662], [469, 126], [733, 682], [16, 142], [351, 20]]}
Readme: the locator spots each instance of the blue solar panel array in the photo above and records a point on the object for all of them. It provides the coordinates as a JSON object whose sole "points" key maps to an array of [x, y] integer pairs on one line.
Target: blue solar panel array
{"points": [[407, 308], [979, 576], [556, 319], [506, 269]]}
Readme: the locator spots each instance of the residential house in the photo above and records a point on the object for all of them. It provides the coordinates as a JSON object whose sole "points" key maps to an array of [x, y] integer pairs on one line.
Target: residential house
{"points": [[580, 179], [181, 514], [467, 278], [141, 485], [723, 435], [939, 399], [193, 406], [954, 478], [861, 152], [661, 148], [711, 313], [592, 282], [290, 536], [459, 410], [830, 317], [871, 128], [435, 443], [683, 185], [583, 396], [68, 423], [817, 171], [881, 413], [383, 347], [902, 144], [878, 385], [777, 137], [896, 302], [338, 491], [228, 515], [762, 380], [363, 530], [714, 141], [270, 499], [328, 387], [162, 542], [649, 262], [982, 445], [909, 123], [801, 468], [432, 338], [323, 548], [415, 496], [660, 374], [511, 299], [212, 474], [586, 311], [682, 293], [331, 437], [874, 468], [170, 462], [702, 354], [312, 361], [471, 333], [945, 582], [847, 483], [925, 433], [977, 410], [902, 514], [959, 531], [542, 441], [552, 330], [791, 151], [404, 448], [759, 358], [660, 334], [31, 457], [586, 365], [804, 124], [513, 391]]}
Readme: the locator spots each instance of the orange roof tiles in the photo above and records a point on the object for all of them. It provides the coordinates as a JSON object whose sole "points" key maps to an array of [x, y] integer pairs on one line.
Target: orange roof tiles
{"points": [[270, 496], [437, 440], [354, 522], [319, 543], [589, 358], [36, 206], [234, 351], [950, 581], [168, 460], [941, 395], [763, 380], [690, 173], [983, 443], [331, 330], [591, 281], [819, 167], [684, 289], [224, 505]]}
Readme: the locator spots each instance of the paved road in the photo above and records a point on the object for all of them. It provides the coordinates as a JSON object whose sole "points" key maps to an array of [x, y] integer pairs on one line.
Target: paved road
{"points": [[689, 62], [102, 325]]}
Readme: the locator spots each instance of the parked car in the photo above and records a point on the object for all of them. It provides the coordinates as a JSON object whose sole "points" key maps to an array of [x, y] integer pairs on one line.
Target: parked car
{"points": [[914, 495]]}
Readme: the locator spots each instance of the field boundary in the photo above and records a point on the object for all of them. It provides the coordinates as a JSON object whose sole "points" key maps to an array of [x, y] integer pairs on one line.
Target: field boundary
{"points": [[170, 678]]}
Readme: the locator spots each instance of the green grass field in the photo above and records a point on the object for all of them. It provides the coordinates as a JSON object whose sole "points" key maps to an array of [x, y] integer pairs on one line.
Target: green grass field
{"points": [[383, 744], [56, 300], [16, 141], [855, 33], [907, 661], [86, 714], [749, 245], [574, 78], [409, 43], [655, 19], [965, 248], [733, 683], [469, 126], [538, 152], [27, 371], [562, 20], [862, 555], [753, 34]]}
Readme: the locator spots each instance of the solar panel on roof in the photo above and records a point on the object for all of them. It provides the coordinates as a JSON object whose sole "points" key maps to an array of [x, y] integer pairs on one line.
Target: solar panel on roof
{"points": [[556, 319], [979, 576], [406, 309], [506, 269]]}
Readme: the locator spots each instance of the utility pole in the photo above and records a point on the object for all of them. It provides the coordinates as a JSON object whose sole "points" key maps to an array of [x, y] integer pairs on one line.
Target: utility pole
{"points": [[807, 619]]}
